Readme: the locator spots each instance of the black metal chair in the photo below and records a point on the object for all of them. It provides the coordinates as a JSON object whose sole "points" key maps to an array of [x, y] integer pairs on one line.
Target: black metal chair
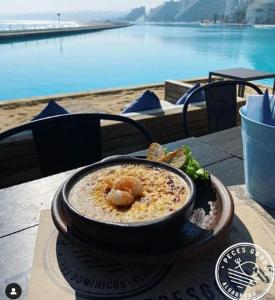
{"points": [[66, 142], [221, 104]]}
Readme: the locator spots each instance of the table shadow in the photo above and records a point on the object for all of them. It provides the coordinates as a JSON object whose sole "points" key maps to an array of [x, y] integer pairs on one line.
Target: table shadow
{"points": [[93, 278]]}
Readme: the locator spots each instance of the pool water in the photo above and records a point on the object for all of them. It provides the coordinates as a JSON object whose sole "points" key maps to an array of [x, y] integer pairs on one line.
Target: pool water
{"points": [[128, 56]]}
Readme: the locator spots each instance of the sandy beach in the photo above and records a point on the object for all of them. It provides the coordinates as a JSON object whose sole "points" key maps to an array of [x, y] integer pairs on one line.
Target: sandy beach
{"points": [[14, 113], [18, 112]]}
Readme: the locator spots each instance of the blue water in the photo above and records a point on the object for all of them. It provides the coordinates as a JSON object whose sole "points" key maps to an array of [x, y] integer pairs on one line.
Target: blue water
{"points": [[129, 56]]}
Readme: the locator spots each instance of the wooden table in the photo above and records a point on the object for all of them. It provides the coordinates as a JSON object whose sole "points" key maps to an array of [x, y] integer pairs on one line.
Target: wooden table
{"points": [[242, 74], [220, 153]]}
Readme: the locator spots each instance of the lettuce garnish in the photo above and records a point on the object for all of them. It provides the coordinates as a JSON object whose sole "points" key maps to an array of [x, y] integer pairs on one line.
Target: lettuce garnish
{"points": [[192, 167]]}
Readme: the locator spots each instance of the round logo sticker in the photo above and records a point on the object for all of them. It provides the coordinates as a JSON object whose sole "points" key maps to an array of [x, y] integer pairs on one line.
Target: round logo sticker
{"points": [[244, 271]]}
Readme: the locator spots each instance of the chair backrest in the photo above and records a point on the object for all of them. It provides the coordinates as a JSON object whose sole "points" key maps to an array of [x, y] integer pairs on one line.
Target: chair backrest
{"points": [[221, 104], [66, 142]]}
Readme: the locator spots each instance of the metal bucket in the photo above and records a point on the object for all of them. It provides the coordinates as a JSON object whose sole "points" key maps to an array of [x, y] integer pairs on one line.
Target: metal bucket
{"points": [[259, 159]]}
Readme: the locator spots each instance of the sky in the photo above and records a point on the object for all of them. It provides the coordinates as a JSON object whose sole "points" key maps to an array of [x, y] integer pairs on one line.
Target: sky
{"points": [[40, 6]]}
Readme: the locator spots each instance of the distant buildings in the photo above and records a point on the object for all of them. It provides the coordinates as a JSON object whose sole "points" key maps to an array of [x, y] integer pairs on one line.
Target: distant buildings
{"points": [[252, 11], [227, 11], [236, 11], [261, 12]]}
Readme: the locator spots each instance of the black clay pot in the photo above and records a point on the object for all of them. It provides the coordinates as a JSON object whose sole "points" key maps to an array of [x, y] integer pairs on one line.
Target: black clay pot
{"points": [[131, 234]]}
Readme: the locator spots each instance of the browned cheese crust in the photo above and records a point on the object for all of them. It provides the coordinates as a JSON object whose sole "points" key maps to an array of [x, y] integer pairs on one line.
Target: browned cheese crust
{"points": [[164, 193]]}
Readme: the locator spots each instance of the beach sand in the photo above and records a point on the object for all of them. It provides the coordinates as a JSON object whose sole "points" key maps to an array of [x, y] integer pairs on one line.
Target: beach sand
{"points": [[15, 113]]}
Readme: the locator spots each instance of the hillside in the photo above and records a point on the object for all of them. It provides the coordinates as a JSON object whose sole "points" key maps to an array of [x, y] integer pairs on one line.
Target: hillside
{"points": [[136, 14], [196, 10], [232, 11], [188, 10], [165, 12]]}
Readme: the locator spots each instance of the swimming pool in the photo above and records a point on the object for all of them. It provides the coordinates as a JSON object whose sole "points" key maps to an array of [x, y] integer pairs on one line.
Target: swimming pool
{"points": [[129, 56]]}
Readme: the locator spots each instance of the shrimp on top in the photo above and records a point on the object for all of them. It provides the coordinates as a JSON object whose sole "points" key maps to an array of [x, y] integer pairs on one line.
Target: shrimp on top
{"points": [[124, 190]]}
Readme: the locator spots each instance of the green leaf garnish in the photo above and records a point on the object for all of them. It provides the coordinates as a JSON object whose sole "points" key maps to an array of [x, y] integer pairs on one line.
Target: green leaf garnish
{"points": [[192, 167]]}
